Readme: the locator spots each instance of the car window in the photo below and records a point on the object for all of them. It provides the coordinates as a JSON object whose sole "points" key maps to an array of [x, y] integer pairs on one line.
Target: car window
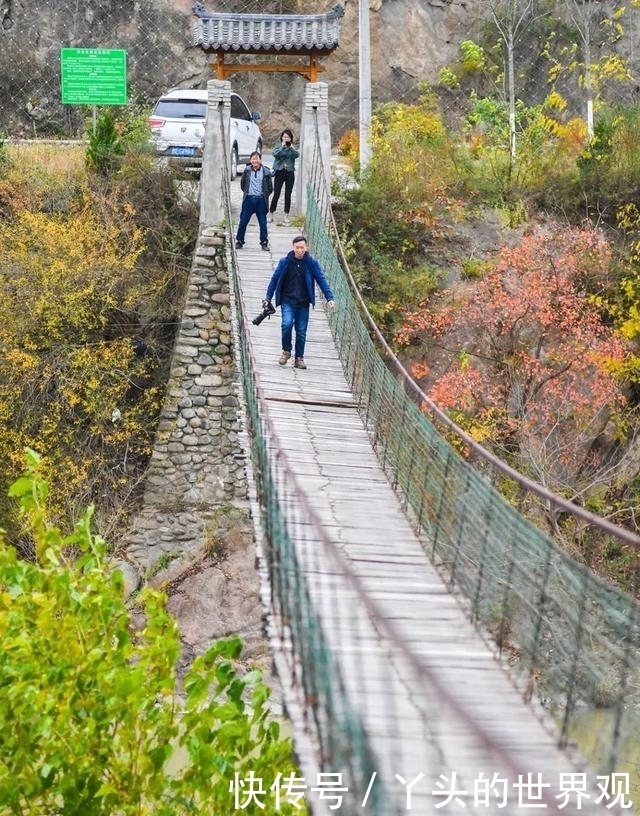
{"points": [[181, 109], [238, 109]]}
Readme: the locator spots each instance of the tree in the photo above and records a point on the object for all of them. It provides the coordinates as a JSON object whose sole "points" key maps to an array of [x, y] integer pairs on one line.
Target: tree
{"points": [[93, 717], [512, 18], [595, 27], [105, 147], [61, 278], [535, 376], [410, 183]]}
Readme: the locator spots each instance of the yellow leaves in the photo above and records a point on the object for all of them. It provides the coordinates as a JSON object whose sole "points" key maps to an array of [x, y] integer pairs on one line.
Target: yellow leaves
{"points": [[572, 135], [86, 266], [349, 144], [54, 161], [58, 274], [472, 56], [92, 382], [555, 101], [625, 370], [63, 407], [555, 72], [628, 217], [629, 325], [19, 359], [472, 62], [483, 429], [447, 78], [400, 126], [411, 162], [76, 244], [613, 66], [623, 305], [59, 380]]}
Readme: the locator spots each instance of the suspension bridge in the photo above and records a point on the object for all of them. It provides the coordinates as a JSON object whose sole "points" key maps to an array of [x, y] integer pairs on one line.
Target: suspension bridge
{"points": [[417, 618]]}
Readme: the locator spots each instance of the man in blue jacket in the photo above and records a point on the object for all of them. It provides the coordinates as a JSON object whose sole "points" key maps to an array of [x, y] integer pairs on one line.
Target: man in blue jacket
{"points": [[293, 283]]}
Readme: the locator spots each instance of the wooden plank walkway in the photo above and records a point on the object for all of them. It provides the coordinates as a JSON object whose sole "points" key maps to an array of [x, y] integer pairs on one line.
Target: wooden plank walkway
{"points": [[318, 427]]}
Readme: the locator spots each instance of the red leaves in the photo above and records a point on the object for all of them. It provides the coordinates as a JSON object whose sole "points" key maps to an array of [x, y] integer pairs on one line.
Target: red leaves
{"points": [[525, 345]]}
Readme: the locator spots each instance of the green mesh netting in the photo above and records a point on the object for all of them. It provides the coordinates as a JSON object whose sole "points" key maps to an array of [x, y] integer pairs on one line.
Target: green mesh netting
{"points": [[572, 637]]}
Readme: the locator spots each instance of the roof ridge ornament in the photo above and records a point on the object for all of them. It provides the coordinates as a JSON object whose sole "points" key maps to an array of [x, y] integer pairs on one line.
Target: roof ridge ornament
{"points": [[336, 11]]}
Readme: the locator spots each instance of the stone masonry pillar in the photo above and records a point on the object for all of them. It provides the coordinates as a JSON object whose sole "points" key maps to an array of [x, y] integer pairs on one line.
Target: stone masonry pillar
{"points": [[315, 118], [198, 463], [216, 152]]}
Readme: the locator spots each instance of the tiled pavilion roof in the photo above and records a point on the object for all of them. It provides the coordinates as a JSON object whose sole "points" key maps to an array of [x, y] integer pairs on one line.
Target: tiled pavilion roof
{"points": [[267, 33]]}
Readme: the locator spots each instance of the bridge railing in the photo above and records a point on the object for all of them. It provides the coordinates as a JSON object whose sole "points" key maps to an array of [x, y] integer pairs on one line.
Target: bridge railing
{"points": [[571, 637], [335, 728], [307, 572], [319, 606]]}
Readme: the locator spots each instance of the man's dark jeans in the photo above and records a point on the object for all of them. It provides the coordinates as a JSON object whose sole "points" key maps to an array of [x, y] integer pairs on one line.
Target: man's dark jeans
{"points": [[251, 205], [297, 316]]}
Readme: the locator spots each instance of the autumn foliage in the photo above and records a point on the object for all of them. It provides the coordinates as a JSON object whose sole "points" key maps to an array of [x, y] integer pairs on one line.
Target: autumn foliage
{"points": [[467, 239], [529, 364], [89, 271], [398, 214]]}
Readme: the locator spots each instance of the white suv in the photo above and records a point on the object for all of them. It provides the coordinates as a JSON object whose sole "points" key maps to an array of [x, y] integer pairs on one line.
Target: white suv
{"points": [[177, 129]]}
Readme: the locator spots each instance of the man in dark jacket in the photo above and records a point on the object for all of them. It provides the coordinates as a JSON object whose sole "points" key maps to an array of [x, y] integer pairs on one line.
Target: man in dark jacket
{"points": [[257, 185], [293, 283]]}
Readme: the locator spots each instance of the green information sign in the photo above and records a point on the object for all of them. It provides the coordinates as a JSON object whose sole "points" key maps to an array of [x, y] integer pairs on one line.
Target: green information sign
{"points": [[93, 76]]}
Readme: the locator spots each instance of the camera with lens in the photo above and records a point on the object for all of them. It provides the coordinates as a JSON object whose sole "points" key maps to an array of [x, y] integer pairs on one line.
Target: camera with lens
{"points": [[267, 310]]}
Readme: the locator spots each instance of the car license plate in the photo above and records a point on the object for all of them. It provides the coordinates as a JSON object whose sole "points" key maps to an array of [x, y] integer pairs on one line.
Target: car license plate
{"points": [[182, 151]]}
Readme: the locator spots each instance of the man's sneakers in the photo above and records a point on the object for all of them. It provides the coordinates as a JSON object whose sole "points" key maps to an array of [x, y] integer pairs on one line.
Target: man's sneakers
{"points": [[263, 244], [297, 363], [270, 217], [286, 220]]}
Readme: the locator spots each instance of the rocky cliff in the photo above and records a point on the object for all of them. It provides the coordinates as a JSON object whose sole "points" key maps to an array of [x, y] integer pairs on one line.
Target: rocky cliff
{"points": [[410, 40]]}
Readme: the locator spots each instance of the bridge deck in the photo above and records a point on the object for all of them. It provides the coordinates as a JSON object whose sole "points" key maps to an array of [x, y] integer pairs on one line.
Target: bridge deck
{"points": [[318, 426]]}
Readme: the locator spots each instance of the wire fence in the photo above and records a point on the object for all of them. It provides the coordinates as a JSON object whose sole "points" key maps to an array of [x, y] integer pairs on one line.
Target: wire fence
{"points": [[409, 45]]}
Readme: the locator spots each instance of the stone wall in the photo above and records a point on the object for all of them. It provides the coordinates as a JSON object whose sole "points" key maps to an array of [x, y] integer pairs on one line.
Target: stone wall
{"points": [[194, 536], [197, 466]]}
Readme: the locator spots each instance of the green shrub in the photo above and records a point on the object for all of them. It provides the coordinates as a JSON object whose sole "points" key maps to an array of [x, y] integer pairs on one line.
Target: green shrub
{"points": [[609, 167], [105, 147], [93, 719]]}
